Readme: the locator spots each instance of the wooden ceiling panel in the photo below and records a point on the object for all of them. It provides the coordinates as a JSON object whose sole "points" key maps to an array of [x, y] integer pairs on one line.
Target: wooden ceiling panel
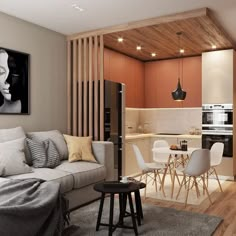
{"points": [[198, 35]]}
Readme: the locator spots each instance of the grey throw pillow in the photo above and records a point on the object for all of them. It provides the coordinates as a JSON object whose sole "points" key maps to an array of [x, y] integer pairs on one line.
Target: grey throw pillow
{"points": [[43, 154], [54, 135]]}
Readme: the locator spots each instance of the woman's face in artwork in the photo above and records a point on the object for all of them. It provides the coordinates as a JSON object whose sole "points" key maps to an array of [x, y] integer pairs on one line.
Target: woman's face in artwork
{"points": [[4, 72]]}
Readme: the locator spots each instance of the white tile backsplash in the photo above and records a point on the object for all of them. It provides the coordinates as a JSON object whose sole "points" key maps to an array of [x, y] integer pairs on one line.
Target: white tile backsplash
{"points": [[164, 120], [131, 120]]}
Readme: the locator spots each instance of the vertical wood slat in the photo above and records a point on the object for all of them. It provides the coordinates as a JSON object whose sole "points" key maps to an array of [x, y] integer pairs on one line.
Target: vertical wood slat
{"points": [[80, 98], [96, 88], [85, 94], [74, 99], [69, 104], [85, 123], [90, 87], [101, 49]]}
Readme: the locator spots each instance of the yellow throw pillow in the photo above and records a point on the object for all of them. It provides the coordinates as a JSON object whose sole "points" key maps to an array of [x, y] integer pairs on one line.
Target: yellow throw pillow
{"points": [[80, 148]]}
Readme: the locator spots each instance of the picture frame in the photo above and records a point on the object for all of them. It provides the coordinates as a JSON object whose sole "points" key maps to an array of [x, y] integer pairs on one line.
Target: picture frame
{"points": [[14, 82]]}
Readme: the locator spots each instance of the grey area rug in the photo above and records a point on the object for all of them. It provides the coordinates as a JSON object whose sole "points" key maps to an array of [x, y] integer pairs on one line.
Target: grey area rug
{"points": [[158, 221]]}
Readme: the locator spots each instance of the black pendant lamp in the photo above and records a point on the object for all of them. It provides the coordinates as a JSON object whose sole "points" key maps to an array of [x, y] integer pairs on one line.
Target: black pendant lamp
{"points": [[179, 94]]}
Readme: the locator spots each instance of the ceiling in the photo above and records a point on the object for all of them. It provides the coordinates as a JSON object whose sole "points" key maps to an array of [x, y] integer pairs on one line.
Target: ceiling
{"points": [[60, 16], [198, 33]]}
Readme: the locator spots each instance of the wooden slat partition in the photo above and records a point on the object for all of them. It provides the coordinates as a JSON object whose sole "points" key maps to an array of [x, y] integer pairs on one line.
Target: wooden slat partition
{"points": [[69, 103], [85, 104], [96, 125], [86, 87], [101, 90], [80, 98], [90, 96], [75, 118]]}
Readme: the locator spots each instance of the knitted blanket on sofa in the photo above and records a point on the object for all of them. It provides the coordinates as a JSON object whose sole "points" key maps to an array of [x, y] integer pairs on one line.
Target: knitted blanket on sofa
{"points": [[31, 207]]}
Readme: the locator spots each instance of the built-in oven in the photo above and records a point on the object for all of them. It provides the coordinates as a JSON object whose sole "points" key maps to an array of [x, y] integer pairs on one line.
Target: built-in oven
{"points": [[227, 139], [217, 126], [217, 114]]}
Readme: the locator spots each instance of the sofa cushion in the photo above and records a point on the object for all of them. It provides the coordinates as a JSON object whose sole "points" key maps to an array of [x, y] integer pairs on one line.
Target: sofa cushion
{"points": [[12, 158], [11, 134], [80, 148], [84, 173], [43, 154], [55, 136], [59, 176]]}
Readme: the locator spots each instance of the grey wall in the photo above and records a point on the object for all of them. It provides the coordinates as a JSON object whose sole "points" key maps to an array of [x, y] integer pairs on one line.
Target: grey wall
{"points": [[47, 51]]}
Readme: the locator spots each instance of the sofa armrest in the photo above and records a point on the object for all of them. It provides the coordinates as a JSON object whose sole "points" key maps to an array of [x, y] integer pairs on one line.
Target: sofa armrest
{"points": [[104, 154]]}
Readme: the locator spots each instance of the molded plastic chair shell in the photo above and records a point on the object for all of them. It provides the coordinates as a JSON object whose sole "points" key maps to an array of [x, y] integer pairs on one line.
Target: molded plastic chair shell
{"points": [[199, 163], [139, 157], [216, 153], [160, 157]]}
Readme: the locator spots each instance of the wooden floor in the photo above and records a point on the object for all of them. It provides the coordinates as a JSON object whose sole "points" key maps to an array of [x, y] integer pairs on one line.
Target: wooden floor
{"points": [[224, 205]]}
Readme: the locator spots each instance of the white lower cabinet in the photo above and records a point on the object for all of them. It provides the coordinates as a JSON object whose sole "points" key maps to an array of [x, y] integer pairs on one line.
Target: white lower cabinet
{"points": [[130, 162]]}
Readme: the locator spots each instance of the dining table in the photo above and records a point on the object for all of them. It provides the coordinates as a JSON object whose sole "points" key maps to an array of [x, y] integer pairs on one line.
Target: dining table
{"points": [[177, 157]]}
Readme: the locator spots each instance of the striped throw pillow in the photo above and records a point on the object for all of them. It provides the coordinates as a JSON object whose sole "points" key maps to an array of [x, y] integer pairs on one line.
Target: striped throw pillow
{"points": [[43, 154]]}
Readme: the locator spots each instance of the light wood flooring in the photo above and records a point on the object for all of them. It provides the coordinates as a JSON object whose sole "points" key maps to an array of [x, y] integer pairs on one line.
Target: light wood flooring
{"points": [[224, 205]]}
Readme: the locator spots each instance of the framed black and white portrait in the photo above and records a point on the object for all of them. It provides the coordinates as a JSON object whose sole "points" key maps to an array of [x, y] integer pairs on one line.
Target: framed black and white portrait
{"points": [[14, 82]]}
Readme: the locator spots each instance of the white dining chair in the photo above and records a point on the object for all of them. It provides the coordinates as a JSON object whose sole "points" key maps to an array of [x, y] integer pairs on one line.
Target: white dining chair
{"points": [[216, 158], [197, 166], [162, 158], [147, 169]]}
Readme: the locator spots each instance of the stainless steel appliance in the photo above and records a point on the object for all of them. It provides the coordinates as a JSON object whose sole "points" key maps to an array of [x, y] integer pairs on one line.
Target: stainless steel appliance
{"points": [[114, 121], [217, 126]]}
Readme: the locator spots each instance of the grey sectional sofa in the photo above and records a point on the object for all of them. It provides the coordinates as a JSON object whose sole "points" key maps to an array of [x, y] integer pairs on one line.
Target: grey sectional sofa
{"points": [[77, 178]]}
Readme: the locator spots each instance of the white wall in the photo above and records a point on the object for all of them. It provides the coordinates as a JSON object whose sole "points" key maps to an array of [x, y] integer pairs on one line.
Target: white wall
{"points": [[47, 79]]}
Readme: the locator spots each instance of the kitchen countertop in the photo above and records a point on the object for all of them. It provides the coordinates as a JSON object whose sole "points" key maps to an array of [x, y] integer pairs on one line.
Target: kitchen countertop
{"points": [[152, 135]]}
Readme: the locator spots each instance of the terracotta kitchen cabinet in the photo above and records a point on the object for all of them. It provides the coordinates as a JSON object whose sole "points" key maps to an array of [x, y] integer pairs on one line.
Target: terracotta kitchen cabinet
{"points": [[149, 84], [124, 69], [161, 79]]}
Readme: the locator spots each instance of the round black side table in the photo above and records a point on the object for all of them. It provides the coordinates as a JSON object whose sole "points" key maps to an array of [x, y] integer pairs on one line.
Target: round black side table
{"points": [[124, 191], [138, 202]]}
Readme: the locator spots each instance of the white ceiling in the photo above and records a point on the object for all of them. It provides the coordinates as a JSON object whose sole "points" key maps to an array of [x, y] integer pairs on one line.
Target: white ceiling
{"points": [[58, 15]]}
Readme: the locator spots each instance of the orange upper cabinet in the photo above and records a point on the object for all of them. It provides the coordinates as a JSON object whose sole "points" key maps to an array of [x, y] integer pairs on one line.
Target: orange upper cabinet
{"points": [[149, 84], [124, 69], [161, 79]]}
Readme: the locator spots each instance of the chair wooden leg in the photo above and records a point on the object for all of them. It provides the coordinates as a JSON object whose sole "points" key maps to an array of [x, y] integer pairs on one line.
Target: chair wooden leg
{"points": [[162, 187], [173, 184], [196, 187], [207, 174], [204, 179], [177, 177], [181, 185], [217, 179], [205, 186], [155, 179], [186, 199], [164, 176], [145, 190]]}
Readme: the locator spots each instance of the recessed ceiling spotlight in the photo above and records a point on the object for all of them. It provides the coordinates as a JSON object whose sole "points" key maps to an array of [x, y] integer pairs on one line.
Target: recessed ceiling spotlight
{"points": [[213, 46], [139, 48], [77, 7], [120, 39], [153, 54], [181, 50]]}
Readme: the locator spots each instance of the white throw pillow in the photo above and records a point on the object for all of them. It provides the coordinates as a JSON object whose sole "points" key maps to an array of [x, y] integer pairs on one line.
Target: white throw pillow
{"points": [[11, 134], [12, 158]]}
